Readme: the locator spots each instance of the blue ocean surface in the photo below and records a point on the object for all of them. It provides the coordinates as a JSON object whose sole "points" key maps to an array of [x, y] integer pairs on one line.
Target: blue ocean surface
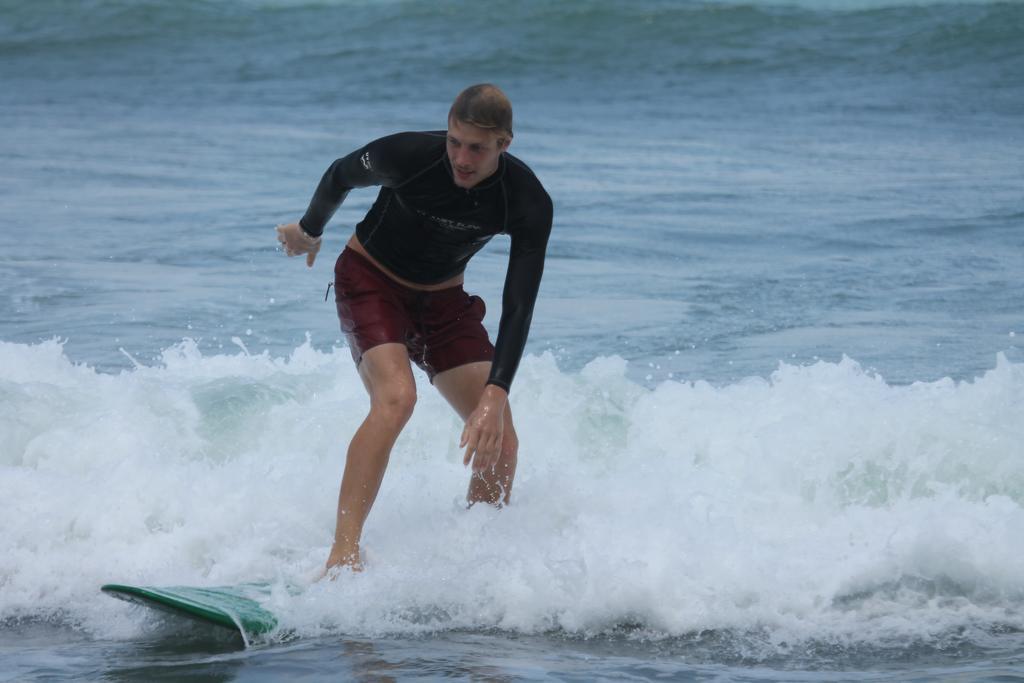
{"points": [[772, 407]]}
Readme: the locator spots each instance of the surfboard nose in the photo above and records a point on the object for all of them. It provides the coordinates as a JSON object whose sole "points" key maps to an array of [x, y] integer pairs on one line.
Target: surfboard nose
{"points": [[231, 607]]}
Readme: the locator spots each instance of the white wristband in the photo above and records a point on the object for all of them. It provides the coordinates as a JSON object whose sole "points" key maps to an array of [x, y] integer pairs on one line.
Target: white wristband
{"points": [[312, 238]]}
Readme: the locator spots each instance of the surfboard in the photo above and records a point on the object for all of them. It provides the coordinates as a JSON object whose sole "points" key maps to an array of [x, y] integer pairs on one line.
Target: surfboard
{"points": [[232, 607]]}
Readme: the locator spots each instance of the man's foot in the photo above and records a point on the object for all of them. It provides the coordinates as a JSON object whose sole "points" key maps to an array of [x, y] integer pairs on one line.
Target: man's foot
{"points": [[342, 558]]}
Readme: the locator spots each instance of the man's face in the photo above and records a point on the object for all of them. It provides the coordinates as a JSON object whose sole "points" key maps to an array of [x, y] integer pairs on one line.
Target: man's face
{"points": [[474, 152]]}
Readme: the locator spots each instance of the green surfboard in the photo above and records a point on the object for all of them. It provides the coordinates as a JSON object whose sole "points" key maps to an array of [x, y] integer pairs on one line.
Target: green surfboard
{"points": [[232, 607]]}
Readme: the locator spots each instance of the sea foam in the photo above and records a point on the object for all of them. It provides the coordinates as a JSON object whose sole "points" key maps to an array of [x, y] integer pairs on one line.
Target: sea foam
{"points": [[818, 502]]}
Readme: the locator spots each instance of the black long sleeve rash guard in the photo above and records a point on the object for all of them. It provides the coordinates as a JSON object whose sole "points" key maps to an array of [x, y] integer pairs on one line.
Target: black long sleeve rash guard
{"points": [[425, 228]]}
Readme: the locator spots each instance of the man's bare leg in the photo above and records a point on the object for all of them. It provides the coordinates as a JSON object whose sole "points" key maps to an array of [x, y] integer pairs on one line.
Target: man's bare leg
{"points": [[387, 374], [462, 388]]}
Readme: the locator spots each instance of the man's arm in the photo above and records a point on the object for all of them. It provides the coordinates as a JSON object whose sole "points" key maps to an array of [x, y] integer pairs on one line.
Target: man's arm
{"points": [[377, 163], [484, 428], [522, 282]]}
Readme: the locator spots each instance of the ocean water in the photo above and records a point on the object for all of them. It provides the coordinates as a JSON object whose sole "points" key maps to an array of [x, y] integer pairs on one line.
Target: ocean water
{"points": [[772, 409]]}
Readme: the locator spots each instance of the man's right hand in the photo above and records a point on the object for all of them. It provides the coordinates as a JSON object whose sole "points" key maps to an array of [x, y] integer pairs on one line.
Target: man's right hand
{"points": [[294, 241]]}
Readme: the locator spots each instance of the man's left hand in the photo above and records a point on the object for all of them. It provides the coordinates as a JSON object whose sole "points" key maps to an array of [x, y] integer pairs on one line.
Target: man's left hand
{"points": [[484, 428]]}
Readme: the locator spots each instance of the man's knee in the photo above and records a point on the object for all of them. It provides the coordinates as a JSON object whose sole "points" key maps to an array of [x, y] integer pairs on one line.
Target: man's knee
{"points": [[395, 402], [509, 446], [509, 436]]}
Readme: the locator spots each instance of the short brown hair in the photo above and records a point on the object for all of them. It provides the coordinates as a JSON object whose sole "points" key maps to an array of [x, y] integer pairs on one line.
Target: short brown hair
{"points": [[485, 106]]}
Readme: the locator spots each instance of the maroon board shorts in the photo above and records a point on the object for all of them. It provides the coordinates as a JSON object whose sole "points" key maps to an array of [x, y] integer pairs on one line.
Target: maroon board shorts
{"points": [[442, 329]]}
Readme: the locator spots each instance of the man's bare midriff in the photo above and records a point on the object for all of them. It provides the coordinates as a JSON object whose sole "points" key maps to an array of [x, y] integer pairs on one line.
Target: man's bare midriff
{"points": [[356, 246]]}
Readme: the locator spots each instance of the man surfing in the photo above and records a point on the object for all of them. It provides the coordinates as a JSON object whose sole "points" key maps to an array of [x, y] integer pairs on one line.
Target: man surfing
{"points": [[400, 298]]}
